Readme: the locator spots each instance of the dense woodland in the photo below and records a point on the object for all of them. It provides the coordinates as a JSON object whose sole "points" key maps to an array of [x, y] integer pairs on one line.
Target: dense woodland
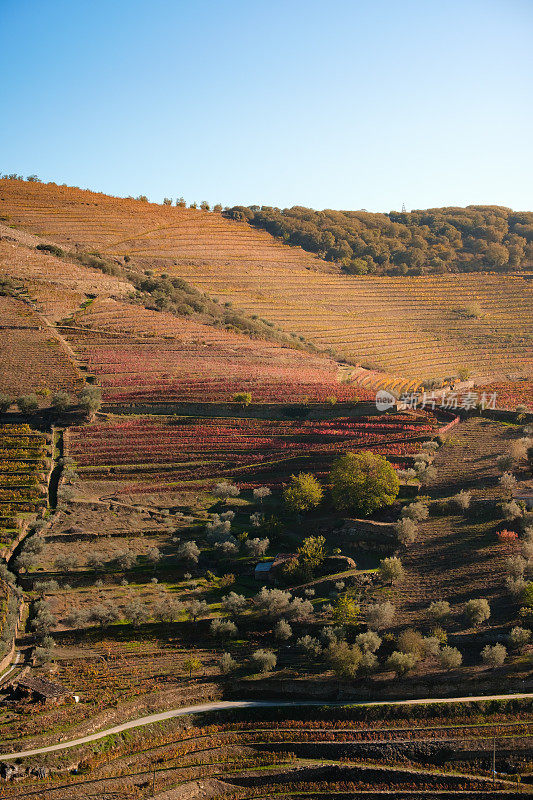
{"points": [[436, 240]]}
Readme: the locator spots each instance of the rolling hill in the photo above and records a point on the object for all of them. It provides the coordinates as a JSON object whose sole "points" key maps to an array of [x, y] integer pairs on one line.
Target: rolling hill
{"points": [[417, 327]]}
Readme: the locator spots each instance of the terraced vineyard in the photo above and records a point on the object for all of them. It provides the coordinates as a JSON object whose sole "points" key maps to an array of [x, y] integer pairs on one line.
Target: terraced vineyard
{"points": [[418, 327], [32, 357], [413, 327], [180, 449], [297, 758], [145, 231], [57, 286], [23, 462], [142, 356]]}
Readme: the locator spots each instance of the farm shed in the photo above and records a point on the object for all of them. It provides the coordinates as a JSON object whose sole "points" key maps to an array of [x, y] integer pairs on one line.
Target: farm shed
{"points": [[262, 570], [39, 690]]}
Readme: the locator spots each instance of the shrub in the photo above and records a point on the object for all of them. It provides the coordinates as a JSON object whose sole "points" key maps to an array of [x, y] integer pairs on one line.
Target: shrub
{"points": [[309, 645], [256, 547], [462, 500], [494, 656], [346, 609], [28, 403], [234, 603], [516, 566], [282, 630], [243, 398], [303, 493], [439, 610], [343, 658], [380, 615], [61, 401], [223, 628], [125, 559], [505, 462], [261, 493], [416, 511], [192, 664], [511, 511], [401, 663], [224, 490], [66, 562], [363, 482], [196, 609], [264, 660], [226, 549], [227, 664], [369, 662], [189, 552], [515, 586], [519, 637], [311, 553], [411, 641], [136, 613], [450, 658], [90, 399], [431, 646], [406, 530], [391, 569], [51, 248], [477, 611], [369, 641], [507, 481]]}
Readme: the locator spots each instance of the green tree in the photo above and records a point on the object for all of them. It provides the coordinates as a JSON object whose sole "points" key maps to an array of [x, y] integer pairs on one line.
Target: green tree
{"points": [[90, 399], [391, 569], [343, 658], [28, 403], [400, 662], [192, 664], [303, 493], [346, 609], [244, 398], [5, 402], [312, 553], [61, 401], [363, 483]]}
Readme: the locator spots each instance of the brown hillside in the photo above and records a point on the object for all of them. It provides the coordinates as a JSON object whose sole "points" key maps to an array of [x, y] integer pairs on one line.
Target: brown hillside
{"points": [[57, 286], [144, 230], [415, 327]]}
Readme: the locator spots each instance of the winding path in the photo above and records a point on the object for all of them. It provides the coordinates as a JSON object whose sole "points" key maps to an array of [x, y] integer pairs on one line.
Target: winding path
{"points": [[229, 704]]}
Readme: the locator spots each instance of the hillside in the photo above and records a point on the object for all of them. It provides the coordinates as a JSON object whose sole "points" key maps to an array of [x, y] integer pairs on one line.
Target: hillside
{"points": [[145, 231], [416, 327], [183, 540], [434, 240]]}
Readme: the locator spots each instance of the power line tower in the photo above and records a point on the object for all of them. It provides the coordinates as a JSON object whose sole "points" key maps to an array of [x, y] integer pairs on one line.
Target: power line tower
{"points": [[404, 210]]}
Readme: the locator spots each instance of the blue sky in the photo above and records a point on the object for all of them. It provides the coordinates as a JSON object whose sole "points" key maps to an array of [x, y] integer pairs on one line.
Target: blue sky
{"points": [[341, 104]]}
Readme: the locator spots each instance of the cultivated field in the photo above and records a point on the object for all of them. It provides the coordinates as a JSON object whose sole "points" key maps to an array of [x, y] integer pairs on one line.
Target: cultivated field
{"points": [[418, 327], [143, 356], [201, 539], [32, 356]]}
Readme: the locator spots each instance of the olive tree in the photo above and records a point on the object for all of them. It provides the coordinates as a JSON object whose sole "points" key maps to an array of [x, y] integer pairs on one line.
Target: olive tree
{"points": [[400, 662], [450, 658], [477, 611], [363, 482], [264, 660], [494, 655], [380, 615], [391, 569]]}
